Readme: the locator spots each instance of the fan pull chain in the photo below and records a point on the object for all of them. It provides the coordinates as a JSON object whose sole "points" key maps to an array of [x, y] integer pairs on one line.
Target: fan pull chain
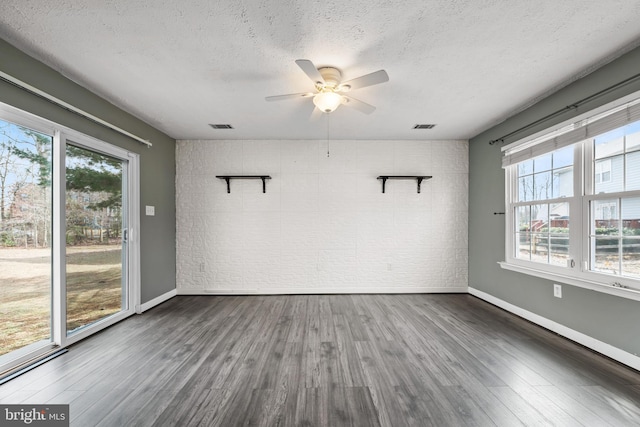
{"points": [[328, 118]]}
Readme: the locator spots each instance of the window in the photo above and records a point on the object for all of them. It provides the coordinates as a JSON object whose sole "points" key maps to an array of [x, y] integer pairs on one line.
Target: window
{"points": [[542, 212], [614, 245], [573, 198], [615, 236]]}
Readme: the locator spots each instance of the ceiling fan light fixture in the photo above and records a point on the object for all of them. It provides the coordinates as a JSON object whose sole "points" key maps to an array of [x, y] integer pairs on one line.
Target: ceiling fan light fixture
{"points": [[331, 92], [327, 101]]}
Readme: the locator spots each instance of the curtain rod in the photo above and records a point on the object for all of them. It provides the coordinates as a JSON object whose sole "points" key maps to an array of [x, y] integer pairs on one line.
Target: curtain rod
{"points": [[567, 108], [62, 104]]}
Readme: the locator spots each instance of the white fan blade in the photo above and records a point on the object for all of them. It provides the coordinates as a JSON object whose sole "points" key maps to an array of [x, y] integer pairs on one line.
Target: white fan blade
{"points": [[363, 107], [289, 96], [310, 70], [374, 78]]}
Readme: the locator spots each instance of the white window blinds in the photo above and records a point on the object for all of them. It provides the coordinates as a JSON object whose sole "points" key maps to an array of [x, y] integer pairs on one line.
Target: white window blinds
{"points": [[575, 132]]}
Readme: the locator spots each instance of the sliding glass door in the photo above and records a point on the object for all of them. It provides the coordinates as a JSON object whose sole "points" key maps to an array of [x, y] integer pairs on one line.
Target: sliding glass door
{"points": [[96, 280], [66, 219]]}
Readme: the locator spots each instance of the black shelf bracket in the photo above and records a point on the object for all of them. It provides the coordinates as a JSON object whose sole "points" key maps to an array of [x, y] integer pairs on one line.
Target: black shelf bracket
{"points": [[418, 179], [228, 179]]}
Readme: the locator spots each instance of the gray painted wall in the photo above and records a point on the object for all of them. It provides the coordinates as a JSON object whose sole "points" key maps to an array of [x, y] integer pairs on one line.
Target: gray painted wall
{"points": [[607, 318], [157, 164]]}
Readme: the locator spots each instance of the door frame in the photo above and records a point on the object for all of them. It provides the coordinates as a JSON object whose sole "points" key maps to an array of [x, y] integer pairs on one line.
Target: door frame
{"points": [[130, 269], [61, 134]]}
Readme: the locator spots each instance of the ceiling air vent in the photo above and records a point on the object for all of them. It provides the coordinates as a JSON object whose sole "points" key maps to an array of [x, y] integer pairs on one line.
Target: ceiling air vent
{"points": [[424, 126], [219, 126]]}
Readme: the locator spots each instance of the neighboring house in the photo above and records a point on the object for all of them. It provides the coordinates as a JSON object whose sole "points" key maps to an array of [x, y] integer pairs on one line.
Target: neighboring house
{"points": [[618, 169], [29, 214], [27, 222], [27, 201]]}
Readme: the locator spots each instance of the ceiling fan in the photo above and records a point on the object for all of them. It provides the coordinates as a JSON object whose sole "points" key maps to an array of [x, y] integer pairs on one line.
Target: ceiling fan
{"points": [[330, 90]]}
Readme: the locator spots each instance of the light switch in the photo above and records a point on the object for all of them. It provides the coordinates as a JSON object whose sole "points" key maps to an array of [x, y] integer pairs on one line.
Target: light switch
{"points": [[150, 210]]}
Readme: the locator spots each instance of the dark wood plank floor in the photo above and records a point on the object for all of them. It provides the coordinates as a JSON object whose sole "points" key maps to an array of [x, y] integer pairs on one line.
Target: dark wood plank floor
{"points": [[360, 360]]}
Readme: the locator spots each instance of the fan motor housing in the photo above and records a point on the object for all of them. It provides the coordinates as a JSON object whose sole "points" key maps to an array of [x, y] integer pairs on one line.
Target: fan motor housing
{"points": [[332, 76]]}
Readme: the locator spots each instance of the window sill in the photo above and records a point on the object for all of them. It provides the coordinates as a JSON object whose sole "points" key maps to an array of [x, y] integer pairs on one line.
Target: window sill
{"points": [[581, 282]]}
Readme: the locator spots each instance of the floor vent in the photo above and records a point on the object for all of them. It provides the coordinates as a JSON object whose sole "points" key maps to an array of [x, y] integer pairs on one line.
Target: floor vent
{"points": [[218, 126], [424, 126]]}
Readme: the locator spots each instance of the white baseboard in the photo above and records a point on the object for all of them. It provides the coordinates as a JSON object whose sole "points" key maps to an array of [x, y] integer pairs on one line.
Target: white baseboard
{"points": [[608, 350], [157, 300], [320, 291]]}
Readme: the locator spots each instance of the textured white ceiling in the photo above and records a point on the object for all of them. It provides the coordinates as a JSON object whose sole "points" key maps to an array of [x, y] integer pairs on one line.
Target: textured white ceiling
{"points": [[464, 65]]}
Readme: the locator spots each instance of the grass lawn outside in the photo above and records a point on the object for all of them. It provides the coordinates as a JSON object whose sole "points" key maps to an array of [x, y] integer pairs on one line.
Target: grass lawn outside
{"points": [[94, 291]]}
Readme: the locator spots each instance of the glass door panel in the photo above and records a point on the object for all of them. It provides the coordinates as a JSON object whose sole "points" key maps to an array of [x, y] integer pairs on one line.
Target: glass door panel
{"points": [[95, 242], [25, 240]]}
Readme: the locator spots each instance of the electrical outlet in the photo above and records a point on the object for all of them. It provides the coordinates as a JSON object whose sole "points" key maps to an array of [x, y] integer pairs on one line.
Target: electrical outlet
{"points": [[202, 267], [557, 290]]}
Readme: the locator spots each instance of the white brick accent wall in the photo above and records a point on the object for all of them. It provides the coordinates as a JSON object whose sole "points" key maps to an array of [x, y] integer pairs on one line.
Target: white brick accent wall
{"points": [[323, 225]]}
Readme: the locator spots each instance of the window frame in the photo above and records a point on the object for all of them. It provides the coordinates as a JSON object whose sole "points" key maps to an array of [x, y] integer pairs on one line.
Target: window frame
{"points": [[578, 271], [511, 183]]}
